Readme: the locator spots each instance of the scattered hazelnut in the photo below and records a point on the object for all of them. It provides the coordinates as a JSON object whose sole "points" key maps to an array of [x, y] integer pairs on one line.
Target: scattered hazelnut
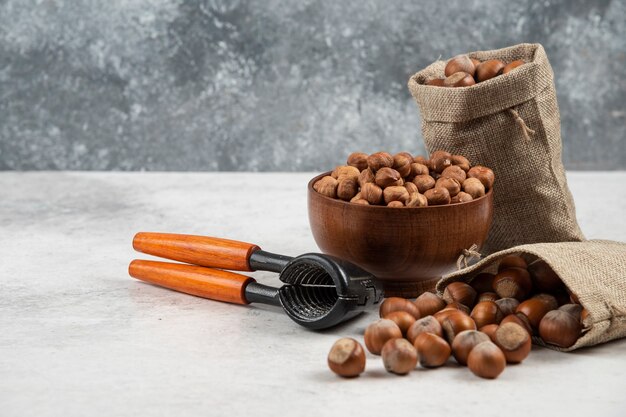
{"points": [[358, 160], [514, 341], [379, 160], [399, 356], [460, 63], [403, 319], [511, 66], [387, 177], [347, 188], [461, 197], [429, 303], [464, 342], [560, 328], [486, 360], [507, 305], [512, 283], [518, 318], [437, 196], [459, 79], [450, 184], [391, 304], [460, 292], [428, 324], [455, 172], [489, 69], [484, 174], [460, 161], [432, 350], [474, 187], [378, 333], [486, 312], [346, 358], [327, 186], [490, 330], [372, 193], [455, 323], [424, 182], [395, 193]]}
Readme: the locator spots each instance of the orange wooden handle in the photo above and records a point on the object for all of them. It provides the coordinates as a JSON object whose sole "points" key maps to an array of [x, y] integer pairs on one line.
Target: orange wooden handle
{"points": [[209, 283], [198, 250]]}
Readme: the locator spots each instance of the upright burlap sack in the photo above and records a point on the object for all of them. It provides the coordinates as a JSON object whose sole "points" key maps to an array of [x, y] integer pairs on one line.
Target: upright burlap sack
{"points": [[594, 270], [511, 125]]}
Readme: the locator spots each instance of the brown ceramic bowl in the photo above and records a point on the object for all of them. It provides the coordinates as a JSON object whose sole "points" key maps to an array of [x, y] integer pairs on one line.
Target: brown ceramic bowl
{"points": [[407, 249]]}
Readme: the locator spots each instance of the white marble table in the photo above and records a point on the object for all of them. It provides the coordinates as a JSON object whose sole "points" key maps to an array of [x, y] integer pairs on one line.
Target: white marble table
{"points": [[78, 337]]}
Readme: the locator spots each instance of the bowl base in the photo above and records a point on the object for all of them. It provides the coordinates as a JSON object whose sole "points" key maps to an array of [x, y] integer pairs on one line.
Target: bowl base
{"points": [[407, 289]]}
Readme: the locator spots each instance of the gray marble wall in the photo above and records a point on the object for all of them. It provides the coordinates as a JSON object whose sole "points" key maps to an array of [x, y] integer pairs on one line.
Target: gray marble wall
{"points": [[279, 84]]}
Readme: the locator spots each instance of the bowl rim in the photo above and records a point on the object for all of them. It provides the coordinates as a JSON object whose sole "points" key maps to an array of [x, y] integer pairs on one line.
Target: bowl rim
{"points": [[378, 207]]}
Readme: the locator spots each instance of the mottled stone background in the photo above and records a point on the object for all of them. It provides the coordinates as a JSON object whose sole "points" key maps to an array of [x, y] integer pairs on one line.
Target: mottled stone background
{"points": [[277, 85]]}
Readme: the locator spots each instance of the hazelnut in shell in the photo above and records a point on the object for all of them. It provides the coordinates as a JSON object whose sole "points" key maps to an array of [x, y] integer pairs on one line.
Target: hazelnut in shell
{"points": [[520, 319], [483, 282], [560, 328], [460, 292], [544, 278], [429, 303], [490, 330], [512, 283], [534, 309], [487, 296], [507, 305], [512, 261], [391, 304], [460, 63], [464, 342], [489, 69], [455, 323], [399, 356], [514, 341], [428, 324], [486, 360], [432, 350], [459, 79], [403, 319], [512, 65], [486, 312], [378, 333], [347, 358], [436, 82]]}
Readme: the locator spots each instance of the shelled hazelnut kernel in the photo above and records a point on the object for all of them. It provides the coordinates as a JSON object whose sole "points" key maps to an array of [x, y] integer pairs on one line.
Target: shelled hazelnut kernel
{"points": [[346, 358], [370, 180]]}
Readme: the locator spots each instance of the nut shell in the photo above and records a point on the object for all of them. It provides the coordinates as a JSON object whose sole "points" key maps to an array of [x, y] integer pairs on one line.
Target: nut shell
{"points": [[486, 360], [455, 323], [512, 261], [378, 333], [464, 342], [544, 278], [486, 312], [392, 304], [512, 283], [432, 350], [346, 358], [483, 282], [460, 292], [429, 303], [507, 305], [403, 319], [428, 324], [399, 356], [559, 328], [514, 341]]}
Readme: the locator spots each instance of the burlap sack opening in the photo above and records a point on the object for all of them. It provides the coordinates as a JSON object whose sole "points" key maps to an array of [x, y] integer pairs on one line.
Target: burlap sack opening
{"points": [[510, 124], [594, 270]]}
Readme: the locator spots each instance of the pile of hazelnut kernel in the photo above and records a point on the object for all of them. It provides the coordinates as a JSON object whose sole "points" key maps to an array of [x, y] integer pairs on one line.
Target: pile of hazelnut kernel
{"points": [[463, 71], [484, 324], [404, 181]]}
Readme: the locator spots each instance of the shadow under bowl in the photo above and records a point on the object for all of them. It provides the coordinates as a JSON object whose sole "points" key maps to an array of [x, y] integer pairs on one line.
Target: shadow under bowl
{"points": [[408, 249]]}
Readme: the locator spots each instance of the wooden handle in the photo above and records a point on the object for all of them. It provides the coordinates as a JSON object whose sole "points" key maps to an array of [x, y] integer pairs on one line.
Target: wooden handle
{"points": [[198, 250], [196, 280]]}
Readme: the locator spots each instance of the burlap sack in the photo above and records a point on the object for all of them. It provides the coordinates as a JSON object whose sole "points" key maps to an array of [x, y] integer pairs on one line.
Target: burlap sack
{"points": [[594, 270], [511, 125]]}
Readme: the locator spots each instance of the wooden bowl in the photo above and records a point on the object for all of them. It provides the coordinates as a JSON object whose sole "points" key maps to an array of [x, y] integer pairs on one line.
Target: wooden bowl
{"points": [[407, 249]]}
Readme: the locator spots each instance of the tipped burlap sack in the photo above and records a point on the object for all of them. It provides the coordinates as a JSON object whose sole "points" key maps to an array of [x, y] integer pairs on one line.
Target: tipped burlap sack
{"points": [[594, 270], [511, 125]]}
